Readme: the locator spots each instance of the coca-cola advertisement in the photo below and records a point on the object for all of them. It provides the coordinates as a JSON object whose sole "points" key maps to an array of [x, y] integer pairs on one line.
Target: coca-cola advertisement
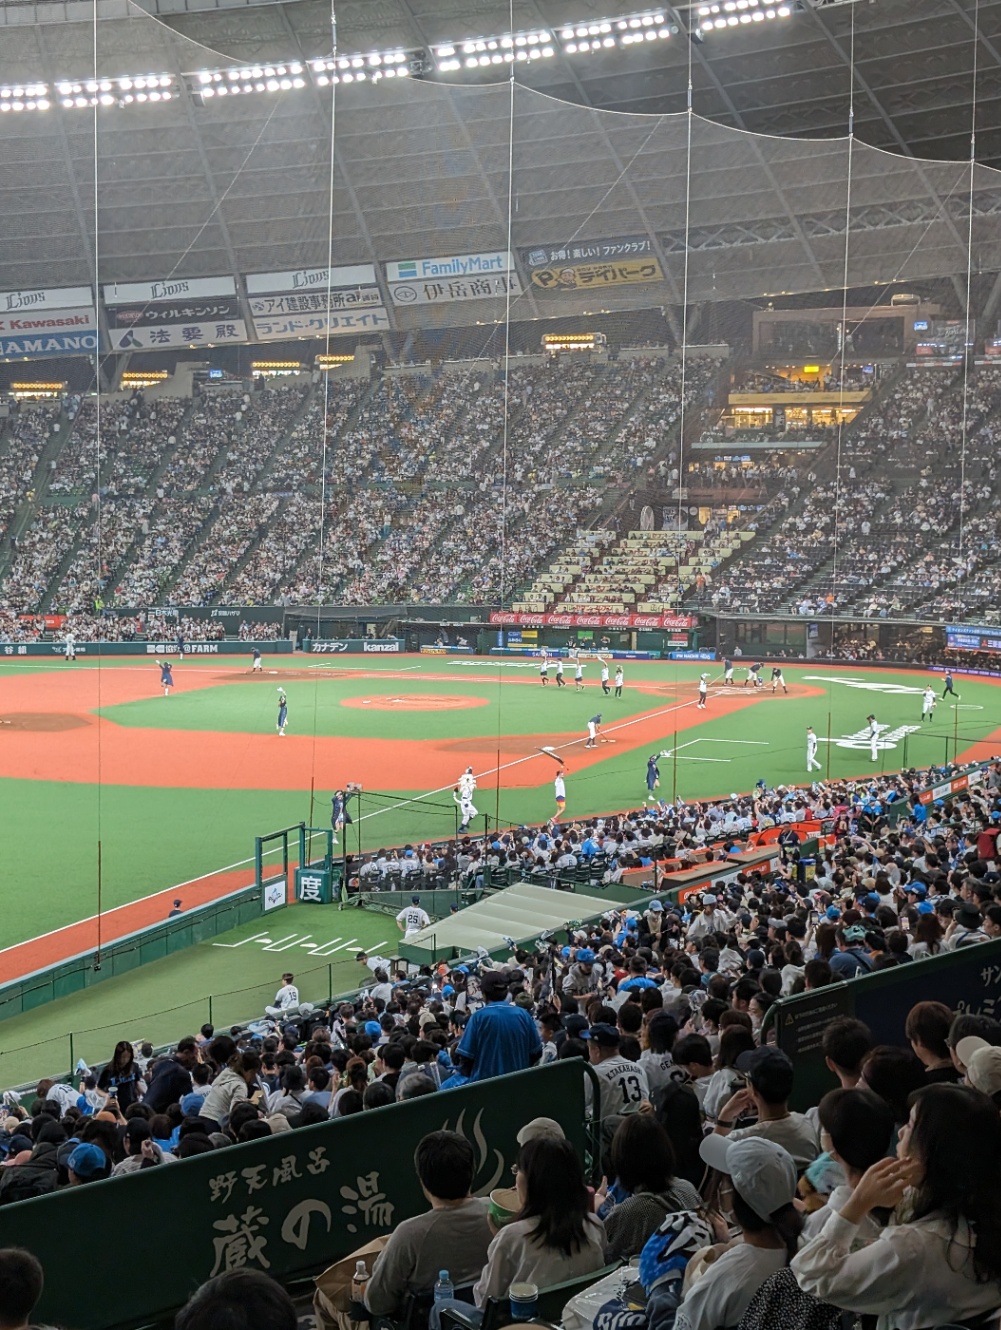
{"points": [[670, 621]]}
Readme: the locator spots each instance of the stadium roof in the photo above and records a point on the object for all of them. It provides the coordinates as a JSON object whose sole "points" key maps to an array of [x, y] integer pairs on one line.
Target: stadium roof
{"points": [[194, 186]]}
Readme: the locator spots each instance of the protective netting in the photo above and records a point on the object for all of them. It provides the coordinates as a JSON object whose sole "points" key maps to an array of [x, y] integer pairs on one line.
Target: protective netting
{"points": [[422, 170]]}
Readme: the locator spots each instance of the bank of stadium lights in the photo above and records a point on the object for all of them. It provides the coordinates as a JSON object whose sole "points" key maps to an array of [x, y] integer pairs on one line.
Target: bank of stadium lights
{"points": [[128, 91], [519, 48], [361, 68], [251, 78], [734, 13], [25, 97], [609, 34]]}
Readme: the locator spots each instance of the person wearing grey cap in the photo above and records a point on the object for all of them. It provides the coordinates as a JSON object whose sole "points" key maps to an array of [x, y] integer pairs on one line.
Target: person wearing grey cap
{"points": [[759, 1190]]}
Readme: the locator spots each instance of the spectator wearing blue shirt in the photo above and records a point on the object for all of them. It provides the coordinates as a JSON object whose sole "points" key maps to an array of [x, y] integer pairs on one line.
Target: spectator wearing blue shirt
{"points": [[500, 1037], [638, 977]]}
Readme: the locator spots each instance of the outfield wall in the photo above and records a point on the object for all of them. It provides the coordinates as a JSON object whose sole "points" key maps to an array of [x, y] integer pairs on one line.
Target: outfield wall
{"points": [[57, 649]]}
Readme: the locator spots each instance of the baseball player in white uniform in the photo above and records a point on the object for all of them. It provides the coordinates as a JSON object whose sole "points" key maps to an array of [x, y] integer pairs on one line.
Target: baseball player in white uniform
{"points": [[928, 700], [703, 690], [412, 918], [811, 750], [873, 737]]}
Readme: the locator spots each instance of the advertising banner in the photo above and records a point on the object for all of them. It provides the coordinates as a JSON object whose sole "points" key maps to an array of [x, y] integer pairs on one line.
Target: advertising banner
{"points": [[48, 321], [224, 309], [675, 621], [269, 647], [455, 265], [443, 291], [962, 638], [39, 329], [944, 339], [278, 327], [39, 344], [954, 786], [590, 265], [156, 337], [55, 297], [356, 646], [310, 279], [315, 302], [171, 288]]}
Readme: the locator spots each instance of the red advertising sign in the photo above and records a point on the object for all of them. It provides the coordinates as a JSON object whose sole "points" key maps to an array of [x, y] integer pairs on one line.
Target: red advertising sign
{"points": [[671, 621], [951, 787]]}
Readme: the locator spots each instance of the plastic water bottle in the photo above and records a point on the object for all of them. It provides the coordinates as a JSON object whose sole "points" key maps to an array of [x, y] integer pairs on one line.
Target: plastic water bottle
{"points": [[444, 1288], [359, 1282]]}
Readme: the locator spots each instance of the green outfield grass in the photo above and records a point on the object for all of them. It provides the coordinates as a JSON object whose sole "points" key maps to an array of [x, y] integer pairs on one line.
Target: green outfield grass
{"points": [[227, 980], [319, 707]]}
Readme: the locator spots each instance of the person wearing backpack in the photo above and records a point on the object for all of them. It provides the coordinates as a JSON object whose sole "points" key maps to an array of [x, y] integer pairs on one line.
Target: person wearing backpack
{"points": [[851, 958], [643, 1161]]}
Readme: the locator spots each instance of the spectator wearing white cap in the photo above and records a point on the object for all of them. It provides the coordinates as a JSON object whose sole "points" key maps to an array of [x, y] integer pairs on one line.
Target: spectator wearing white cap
{"points": [[710, 919], [759, 1192], [983, 1066]]}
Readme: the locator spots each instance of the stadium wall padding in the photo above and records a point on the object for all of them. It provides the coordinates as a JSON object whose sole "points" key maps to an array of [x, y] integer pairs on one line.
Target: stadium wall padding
{"points": [[968, 981], [281, 646], [290, 1205]]}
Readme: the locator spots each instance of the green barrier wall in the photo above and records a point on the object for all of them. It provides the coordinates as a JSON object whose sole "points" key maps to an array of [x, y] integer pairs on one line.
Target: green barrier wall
{"points": [[968, 981], [289, 1205], [57, 650], [437, 902], [127, 953]]}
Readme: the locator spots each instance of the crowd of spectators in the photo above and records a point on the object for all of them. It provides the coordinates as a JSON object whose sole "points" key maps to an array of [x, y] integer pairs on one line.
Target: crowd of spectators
{"points": [[450, 485], [872, 1202], [880, 534]]}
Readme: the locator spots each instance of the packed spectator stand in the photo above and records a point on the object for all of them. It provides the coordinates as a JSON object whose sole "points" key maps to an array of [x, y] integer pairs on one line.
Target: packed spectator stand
{"points": [[389, 489]]}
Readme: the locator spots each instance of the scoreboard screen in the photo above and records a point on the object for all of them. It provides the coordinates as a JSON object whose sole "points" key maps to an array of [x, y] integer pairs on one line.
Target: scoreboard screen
{"points": [[973, 639]]}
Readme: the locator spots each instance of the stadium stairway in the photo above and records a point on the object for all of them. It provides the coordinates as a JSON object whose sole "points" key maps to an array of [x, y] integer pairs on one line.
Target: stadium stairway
{"points": [[267, 481], [337, 440], [35, 491], [185, 504]]}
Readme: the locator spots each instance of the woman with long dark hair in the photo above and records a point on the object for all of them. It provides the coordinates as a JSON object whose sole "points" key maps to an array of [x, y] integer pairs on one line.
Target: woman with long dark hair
{"points": [[555, 1236], [940, 1260], [120, 1076], [927, 937], [726, 1081]]}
